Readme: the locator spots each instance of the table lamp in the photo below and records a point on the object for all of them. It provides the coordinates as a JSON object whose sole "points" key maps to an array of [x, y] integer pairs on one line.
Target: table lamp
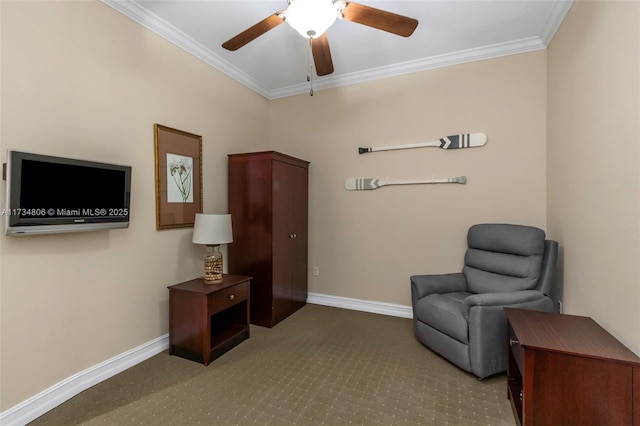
{"points": [[212, 230]]}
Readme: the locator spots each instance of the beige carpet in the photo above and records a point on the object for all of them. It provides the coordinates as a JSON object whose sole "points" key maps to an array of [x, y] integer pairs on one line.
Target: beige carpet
{"points": [[321, 366]]}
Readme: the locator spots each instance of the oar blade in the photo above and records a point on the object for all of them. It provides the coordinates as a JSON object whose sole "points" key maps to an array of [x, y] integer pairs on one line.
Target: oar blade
{"points": [[465, 140], [361, 184]]}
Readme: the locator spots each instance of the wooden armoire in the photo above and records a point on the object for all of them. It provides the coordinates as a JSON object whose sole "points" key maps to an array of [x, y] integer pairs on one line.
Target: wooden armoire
{"points": [[268, 203]]}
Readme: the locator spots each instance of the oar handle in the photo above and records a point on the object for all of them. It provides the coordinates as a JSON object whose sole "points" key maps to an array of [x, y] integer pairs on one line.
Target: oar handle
{"points": [[394, 147], [459, 179]]}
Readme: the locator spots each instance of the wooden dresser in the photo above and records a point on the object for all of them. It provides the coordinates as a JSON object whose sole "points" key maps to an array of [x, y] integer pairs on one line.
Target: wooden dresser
{"points": [[567, 370]]}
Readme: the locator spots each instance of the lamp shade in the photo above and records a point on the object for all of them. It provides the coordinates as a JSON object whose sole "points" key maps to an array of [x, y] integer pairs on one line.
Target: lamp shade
{"points": [[212, 229]]}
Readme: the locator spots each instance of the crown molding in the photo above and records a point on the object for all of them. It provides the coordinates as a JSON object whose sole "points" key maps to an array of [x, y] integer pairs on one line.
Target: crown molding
{"points": [[471, 55], [161, 27], [555, 18], [154, 23]]}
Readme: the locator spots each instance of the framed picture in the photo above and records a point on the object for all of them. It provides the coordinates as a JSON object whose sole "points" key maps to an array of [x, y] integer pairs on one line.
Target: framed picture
{"points": [[178, 177]]}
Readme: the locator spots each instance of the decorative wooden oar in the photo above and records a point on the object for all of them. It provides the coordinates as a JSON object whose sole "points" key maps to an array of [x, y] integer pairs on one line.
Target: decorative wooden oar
{"points": [[466, 140], [365, 184]]}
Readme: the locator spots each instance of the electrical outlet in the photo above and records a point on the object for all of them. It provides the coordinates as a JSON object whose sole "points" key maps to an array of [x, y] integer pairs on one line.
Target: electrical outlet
{"points": [[559, 302], [315, 271]]}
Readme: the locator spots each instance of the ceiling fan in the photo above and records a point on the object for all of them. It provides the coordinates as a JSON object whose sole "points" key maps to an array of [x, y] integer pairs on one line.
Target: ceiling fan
{"points": [[312, 18]]}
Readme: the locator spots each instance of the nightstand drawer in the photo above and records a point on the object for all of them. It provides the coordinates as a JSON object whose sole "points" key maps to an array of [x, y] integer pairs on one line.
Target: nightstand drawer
{"points": [[227, 297]]}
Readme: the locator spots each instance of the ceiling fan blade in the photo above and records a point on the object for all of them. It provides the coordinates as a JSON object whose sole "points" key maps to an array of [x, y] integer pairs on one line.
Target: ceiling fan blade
{"points": [[380, 19], [321, 55], [254, 32]]}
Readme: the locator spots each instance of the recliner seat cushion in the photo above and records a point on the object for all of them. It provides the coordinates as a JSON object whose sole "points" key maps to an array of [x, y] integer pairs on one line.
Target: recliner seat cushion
{"points": [[444, 313]]}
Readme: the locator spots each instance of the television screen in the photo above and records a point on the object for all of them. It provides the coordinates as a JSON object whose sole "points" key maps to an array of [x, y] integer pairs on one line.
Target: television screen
{"points": [[53, 194]]}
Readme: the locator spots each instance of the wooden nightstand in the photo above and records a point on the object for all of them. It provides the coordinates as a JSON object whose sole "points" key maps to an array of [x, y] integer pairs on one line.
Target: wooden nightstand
{"points": [[207, 320]]}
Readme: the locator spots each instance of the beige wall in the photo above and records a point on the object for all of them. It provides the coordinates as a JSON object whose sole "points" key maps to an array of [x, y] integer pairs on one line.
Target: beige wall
{"points": [[594, 162], [81, 80], [367, 243]]}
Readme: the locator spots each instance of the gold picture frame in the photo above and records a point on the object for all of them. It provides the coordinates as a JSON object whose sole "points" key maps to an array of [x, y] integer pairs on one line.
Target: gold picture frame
{"points": [[178, 158]]}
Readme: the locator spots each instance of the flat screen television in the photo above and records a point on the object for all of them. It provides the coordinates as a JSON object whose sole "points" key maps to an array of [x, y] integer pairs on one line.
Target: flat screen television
{"points": [[48, 194]]}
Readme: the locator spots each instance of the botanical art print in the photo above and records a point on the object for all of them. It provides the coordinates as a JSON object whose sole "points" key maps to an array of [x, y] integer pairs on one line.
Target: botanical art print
{"points": [[179, 179], [178, 158]]}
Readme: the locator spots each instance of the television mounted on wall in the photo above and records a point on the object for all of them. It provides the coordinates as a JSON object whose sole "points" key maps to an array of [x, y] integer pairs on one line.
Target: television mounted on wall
{"points": [[47, 194]]}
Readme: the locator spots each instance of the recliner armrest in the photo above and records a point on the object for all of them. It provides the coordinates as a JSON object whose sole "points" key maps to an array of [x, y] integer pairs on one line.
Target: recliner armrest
{"points": [[423, 285], [500, 299]]}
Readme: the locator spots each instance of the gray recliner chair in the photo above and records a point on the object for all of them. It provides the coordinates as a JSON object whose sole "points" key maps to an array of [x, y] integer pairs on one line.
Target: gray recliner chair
{"points": [[460, 315]]}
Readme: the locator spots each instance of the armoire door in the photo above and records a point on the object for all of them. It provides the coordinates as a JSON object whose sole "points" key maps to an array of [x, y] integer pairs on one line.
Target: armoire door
{"points": [[290, 225], [300, 242], [283, 176]]}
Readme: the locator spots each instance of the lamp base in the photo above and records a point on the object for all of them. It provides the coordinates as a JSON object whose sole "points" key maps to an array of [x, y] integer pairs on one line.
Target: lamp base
{"points": [[213, 265]]}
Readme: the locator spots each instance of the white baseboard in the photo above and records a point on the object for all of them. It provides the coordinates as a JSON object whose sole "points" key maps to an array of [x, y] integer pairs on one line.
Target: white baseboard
{"points": [[390, 309], [50, 398]]}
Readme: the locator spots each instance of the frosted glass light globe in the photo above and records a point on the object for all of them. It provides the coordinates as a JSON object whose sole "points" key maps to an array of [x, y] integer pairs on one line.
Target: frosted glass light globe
{"points": [[311, 18]]}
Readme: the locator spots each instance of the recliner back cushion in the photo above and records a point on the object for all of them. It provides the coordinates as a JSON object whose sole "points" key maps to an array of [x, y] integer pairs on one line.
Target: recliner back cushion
{"points": [[503, 257]]}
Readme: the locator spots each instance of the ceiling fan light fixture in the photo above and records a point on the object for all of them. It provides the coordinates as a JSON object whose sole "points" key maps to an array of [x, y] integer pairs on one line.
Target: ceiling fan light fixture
{"points": [[311, 18]]}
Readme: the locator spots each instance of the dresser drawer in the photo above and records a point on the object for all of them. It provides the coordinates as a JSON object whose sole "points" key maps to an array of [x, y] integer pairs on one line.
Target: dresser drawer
{"points": [[222, 299]]}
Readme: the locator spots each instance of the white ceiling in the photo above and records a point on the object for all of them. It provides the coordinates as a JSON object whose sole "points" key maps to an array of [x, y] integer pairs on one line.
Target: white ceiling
{"points": [[276, 64]]}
